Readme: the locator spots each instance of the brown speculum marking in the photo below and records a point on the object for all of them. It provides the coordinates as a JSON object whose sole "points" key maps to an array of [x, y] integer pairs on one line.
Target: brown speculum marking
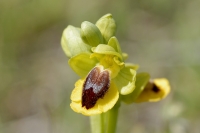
{"points": [[95, 86], [155, 88]]}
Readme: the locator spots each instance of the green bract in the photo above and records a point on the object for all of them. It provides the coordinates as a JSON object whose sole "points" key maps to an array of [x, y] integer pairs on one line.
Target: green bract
{"points": [[107, 26]]}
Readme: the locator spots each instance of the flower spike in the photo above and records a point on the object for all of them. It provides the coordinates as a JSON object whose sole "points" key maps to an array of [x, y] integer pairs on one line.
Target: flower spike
{"points": [[97, 58]]}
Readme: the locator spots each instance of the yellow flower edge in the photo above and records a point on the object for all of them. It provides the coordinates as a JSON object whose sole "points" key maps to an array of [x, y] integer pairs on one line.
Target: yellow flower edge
{"points": [[102, 105], [148, 95]]}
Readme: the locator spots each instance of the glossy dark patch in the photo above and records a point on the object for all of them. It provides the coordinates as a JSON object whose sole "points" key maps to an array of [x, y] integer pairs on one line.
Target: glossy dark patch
{"points": [[155, 89], [95, 87]]}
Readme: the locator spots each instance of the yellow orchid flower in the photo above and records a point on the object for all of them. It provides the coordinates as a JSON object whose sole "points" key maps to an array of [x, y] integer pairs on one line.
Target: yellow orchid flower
{"points": [[154, 91], [95, 55], [148, 90]]}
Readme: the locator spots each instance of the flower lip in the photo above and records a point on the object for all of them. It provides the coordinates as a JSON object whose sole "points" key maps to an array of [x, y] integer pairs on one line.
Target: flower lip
{"points": [[102, 105], [95, 86], [155, 90]]}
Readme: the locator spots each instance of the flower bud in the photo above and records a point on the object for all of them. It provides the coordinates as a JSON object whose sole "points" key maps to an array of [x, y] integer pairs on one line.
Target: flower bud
{"points": [[107, 26], [72, 43], [91, 34]]}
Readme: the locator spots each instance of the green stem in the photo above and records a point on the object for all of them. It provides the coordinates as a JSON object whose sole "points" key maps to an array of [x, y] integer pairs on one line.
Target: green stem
{"points": [[97, 123], [112, 119]]}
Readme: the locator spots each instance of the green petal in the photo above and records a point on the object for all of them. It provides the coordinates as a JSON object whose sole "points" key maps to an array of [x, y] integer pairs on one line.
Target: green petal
{"points": [[125, 80], [106, 49], [132, 66], [82, 64], [72, 42], [113, 42], [141, 81], [107, 26], [91, 34]]}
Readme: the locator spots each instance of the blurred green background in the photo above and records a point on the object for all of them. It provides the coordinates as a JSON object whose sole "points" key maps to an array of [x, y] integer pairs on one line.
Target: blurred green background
{"points": [[163, 36]]}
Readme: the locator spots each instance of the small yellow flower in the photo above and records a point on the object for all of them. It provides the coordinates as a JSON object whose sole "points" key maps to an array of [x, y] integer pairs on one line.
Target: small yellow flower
{"points": [[154, 91]]}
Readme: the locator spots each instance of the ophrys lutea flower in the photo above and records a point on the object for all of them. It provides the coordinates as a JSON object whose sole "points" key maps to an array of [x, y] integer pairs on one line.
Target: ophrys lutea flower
{"points": [[105, 78]]}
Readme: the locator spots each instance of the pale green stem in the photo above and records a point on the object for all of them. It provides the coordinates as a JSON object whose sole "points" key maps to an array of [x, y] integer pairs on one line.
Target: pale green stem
{"points": [[109, 118], [112, 120], [97, 123]]}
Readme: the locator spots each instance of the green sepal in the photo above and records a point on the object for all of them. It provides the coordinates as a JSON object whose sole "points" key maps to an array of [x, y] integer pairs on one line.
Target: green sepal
{"points": [[106, 49], [125, 80], [141, 81], [82, 64], [91, 34], [72, 42], [107, 26]]}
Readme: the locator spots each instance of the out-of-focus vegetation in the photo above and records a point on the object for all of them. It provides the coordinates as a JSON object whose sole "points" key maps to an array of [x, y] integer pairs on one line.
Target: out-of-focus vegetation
{"points": [[163, 36]]}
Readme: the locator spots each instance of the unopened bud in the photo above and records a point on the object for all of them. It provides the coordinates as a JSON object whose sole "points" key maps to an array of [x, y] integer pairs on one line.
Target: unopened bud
{"points": [[91, 34], [107, 26]]}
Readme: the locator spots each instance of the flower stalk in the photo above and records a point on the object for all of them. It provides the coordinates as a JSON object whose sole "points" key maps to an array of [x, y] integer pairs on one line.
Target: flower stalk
{"points": [[112, 119], [97, 123], [105, 122]]}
